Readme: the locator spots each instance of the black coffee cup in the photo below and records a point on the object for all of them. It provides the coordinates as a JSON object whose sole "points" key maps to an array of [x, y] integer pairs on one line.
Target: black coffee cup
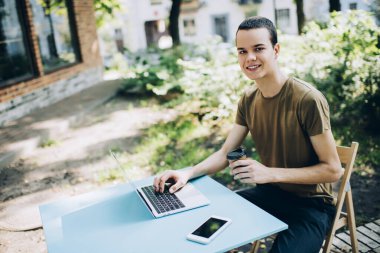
{"points": [[237, 154]]}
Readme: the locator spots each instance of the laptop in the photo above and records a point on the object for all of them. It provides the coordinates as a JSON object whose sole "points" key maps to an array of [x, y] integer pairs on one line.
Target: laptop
{"points": [[166, 203]]}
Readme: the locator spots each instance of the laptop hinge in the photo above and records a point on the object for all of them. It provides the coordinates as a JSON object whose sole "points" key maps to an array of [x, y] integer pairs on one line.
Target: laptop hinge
{"points": [[146, 203]]}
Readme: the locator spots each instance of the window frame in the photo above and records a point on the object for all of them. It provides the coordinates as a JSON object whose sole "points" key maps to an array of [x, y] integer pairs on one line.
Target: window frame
{"points": [[227, 25], [155, 2], [74, 38], [353, 6], [189, 31], [28, 46], [280, 17]]}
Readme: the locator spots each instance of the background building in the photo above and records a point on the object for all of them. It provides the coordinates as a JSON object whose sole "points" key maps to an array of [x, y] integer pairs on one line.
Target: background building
{"points": [[143, 23], [319, 9], [48, 51]]}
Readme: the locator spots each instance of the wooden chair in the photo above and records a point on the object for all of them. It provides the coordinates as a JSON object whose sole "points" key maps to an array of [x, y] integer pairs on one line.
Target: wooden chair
{"points": [[255, 247], [347, 157]]}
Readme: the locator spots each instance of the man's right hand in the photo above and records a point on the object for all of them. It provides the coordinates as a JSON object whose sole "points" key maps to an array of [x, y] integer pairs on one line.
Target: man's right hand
{"points": [[180, 178]]}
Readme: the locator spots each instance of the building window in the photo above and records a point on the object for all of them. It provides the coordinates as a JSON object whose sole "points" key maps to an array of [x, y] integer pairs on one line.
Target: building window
{"points": [[54, 29], [154, 2], [353, 6], [15, 58], [154, 30], [283, 18], [221, 26], [189, 27], [243, 2], [119, 40]]}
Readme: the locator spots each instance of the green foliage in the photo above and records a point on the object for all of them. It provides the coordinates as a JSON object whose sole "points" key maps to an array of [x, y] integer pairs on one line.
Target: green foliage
{"points": [[46, 143], [155, 72], [110, 175], [176, 144], [207, 76], [104, 10], [342, 59], [116, 150]]}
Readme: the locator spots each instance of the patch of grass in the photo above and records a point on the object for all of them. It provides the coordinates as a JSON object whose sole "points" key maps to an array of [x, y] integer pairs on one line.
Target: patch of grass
{"points": [[46, 143], [171, 145], [116, 150], [175, 144], [109, 175]]}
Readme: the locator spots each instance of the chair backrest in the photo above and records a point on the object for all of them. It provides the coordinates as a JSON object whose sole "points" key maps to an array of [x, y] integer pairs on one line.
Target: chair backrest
{"points": [[347, 157]]}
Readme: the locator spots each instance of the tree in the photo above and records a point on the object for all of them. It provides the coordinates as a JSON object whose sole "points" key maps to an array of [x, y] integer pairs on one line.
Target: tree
{"points": [[334, 5], [105, 9], [173, 21], [300, 15]]}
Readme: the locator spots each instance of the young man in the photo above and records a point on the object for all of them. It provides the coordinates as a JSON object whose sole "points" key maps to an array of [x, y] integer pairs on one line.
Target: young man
{"points": [[289, 122]]}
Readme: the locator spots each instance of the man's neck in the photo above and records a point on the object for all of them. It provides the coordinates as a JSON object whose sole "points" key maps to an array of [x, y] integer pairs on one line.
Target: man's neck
{"points": [[271, 85]]}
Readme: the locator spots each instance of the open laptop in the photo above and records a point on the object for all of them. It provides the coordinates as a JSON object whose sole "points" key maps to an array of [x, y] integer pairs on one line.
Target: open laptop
{"points": [[163, 204]]}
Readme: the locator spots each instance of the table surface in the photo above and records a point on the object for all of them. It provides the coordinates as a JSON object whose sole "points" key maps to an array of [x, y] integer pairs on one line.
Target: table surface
{"points": [[116, 220]]}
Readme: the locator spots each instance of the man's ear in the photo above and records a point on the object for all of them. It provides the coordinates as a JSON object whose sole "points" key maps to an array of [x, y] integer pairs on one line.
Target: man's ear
{"points": [[276, 49]]}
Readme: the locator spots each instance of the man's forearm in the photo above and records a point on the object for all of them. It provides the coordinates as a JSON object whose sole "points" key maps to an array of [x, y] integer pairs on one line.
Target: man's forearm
{"points": [[218, 160], [319, 173], [211, 165]]}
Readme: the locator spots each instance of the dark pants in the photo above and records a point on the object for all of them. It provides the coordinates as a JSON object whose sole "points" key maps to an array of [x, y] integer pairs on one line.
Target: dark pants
{"points": [[308, 219]]}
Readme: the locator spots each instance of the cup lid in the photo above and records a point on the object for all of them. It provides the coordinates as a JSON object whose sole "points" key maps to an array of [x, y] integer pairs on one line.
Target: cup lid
{"points": [[236, 153]]}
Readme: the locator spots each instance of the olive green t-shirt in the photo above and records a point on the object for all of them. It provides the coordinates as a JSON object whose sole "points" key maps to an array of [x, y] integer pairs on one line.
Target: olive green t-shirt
{"points": [[281, 127]]}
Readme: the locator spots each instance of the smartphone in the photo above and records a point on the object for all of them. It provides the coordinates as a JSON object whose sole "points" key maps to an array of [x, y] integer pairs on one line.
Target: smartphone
{"points": [[211, 228]]}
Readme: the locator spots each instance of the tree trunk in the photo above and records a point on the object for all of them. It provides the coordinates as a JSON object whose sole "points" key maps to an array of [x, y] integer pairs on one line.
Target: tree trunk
{"points": [[173, 21], [300, 15], [334, 5]]}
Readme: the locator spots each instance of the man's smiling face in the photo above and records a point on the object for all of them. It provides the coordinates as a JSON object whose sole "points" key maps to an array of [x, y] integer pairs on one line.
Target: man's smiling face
{"points": [[256, 54]]}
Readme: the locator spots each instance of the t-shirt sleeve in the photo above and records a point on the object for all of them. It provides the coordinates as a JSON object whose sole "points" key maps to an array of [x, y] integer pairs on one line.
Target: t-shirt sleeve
{"points": [[315, 114], [241, 118]]}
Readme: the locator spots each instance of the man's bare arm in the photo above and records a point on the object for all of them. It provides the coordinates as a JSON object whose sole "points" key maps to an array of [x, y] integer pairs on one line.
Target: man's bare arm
{"points": [[217, 161]]}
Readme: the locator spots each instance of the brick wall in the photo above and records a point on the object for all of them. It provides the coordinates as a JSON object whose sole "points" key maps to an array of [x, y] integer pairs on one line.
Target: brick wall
{"points": [[18, 99]]}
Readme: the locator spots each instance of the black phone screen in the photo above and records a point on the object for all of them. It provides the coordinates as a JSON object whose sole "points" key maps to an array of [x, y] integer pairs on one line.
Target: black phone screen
{"points": [[208, 228]]}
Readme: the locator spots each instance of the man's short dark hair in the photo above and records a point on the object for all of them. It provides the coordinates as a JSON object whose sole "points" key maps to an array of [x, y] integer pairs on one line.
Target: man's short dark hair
{"points": [[260, 22]]}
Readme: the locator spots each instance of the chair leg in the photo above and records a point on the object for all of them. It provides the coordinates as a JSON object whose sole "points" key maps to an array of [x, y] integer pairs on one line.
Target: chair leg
{"points": [[351, 221], [334, 226], [328, 242], [255, 247]]}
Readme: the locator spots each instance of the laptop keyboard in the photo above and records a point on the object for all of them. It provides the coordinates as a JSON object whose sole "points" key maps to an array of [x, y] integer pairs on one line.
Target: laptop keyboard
{"points": [[162, 202]]}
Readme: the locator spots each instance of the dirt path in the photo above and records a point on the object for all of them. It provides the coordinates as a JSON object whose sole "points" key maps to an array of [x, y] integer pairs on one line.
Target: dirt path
{"points": [[69, 166]]}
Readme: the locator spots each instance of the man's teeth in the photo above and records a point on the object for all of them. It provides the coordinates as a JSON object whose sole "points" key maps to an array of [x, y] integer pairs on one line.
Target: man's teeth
{"points": [[253, 67]]}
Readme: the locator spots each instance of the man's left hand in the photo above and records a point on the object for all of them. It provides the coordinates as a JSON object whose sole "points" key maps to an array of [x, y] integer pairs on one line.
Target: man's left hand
{"points": [[250, 171]]}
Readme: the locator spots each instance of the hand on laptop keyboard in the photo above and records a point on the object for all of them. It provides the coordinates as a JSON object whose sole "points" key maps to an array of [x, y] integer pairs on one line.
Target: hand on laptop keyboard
{"points": [[178, 177], [162, 202]]}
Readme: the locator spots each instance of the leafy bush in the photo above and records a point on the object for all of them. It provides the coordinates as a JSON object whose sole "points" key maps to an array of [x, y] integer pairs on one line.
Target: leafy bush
{"points": [[46, 143], [155, 72], [207, 76], [342, 59]]}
